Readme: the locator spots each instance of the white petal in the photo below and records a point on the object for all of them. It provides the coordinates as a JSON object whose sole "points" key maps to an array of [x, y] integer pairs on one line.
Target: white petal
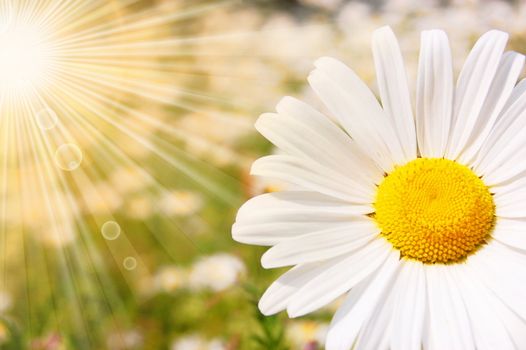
{"points": [[300, 204], [339, 278], [508, 72], [505, 138], [511, 204], [337, 338], [272, 233], [447, 322], [434, 94], [322, 245], [408, 316], [397, 321], [511, 232], [273, 217], [394, 92], [307, 141], [504, 188], [515, 326], [311, 176], [340, 143], [509, 164], [473, 86], [278, 295], [357, 109], [501, 269], [359, 305], [376, 332], [488, 331]]}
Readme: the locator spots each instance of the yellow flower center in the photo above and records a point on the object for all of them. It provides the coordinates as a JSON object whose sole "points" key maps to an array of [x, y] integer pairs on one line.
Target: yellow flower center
{"points": [[434, 210]]}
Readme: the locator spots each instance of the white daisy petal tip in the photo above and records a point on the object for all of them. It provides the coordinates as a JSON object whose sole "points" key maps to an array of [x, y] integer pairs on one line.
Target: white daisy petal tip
{"points": [[327, 62], [499, 34], [242, 235], [237, 234], [269, 262], [517, 55], [262, 121], [285, 103], [434, 32], [315, 77], [260, 166], [383, 28], [269, 307], [234, 231], [384, 32], [254, 168]]}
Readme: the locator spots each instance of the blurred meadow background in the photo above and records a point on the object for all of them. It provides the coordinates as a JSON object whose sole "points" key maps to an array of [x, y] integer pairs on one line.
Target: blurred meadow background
{"points": [[126, 138]]}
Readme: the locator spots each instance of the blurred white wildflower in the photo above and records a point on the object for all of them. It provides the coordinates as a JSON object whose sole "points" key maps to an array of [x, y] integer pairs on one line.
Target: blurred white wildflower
{"points": [[180, 203], [134, 149], [100, 198], [170, 278], [216, 272], [408, 7], [126, 180], [227, 128], [330, 5], [129, 339], [214, 143], [356, 20], [59, 229], [57, 234], [196, 342], [139, 207], [194, 226], [294, 44]]}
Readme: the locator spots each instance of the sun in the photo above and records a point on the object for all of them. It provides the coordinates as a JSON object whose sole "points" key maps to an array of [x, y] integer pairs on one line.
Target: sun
{"points": [[26, 56]]}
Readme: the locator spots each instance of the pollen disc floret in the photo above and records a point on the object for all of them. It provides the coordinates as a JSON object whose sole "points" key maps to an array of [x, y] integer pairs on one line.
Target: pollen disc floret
{"points": [[434, 210]]}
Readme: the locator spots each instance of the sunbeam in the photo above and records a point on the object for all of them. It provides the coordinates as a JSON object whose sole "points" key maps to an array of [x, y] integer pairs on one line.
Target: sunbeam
{"points": [[75, 78]]}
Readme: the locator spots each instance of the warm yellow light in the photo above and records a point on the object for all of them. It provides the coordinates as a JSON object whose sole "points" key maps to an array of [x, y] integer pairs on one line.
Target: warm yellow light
{"points": [[25, 58]]}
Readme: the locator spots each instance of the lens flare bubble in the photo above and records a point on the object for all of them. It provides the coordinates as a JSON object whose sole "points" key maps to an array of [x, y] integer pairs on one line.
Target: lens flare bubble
{"points": [[110, 230], [68, 157], [129, 263], [47, 119]]}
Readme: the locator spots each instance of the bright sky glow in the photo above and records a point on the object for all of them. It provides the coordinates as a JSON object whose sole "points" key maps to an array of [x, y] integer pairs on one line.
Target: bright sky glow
{"points": [[25, 57]]}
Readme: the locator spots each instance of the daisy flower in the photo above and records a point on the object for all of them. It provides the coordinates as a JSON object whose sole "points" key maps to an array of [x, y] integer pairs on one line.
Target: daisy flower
{"points": [[417, 214]]}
